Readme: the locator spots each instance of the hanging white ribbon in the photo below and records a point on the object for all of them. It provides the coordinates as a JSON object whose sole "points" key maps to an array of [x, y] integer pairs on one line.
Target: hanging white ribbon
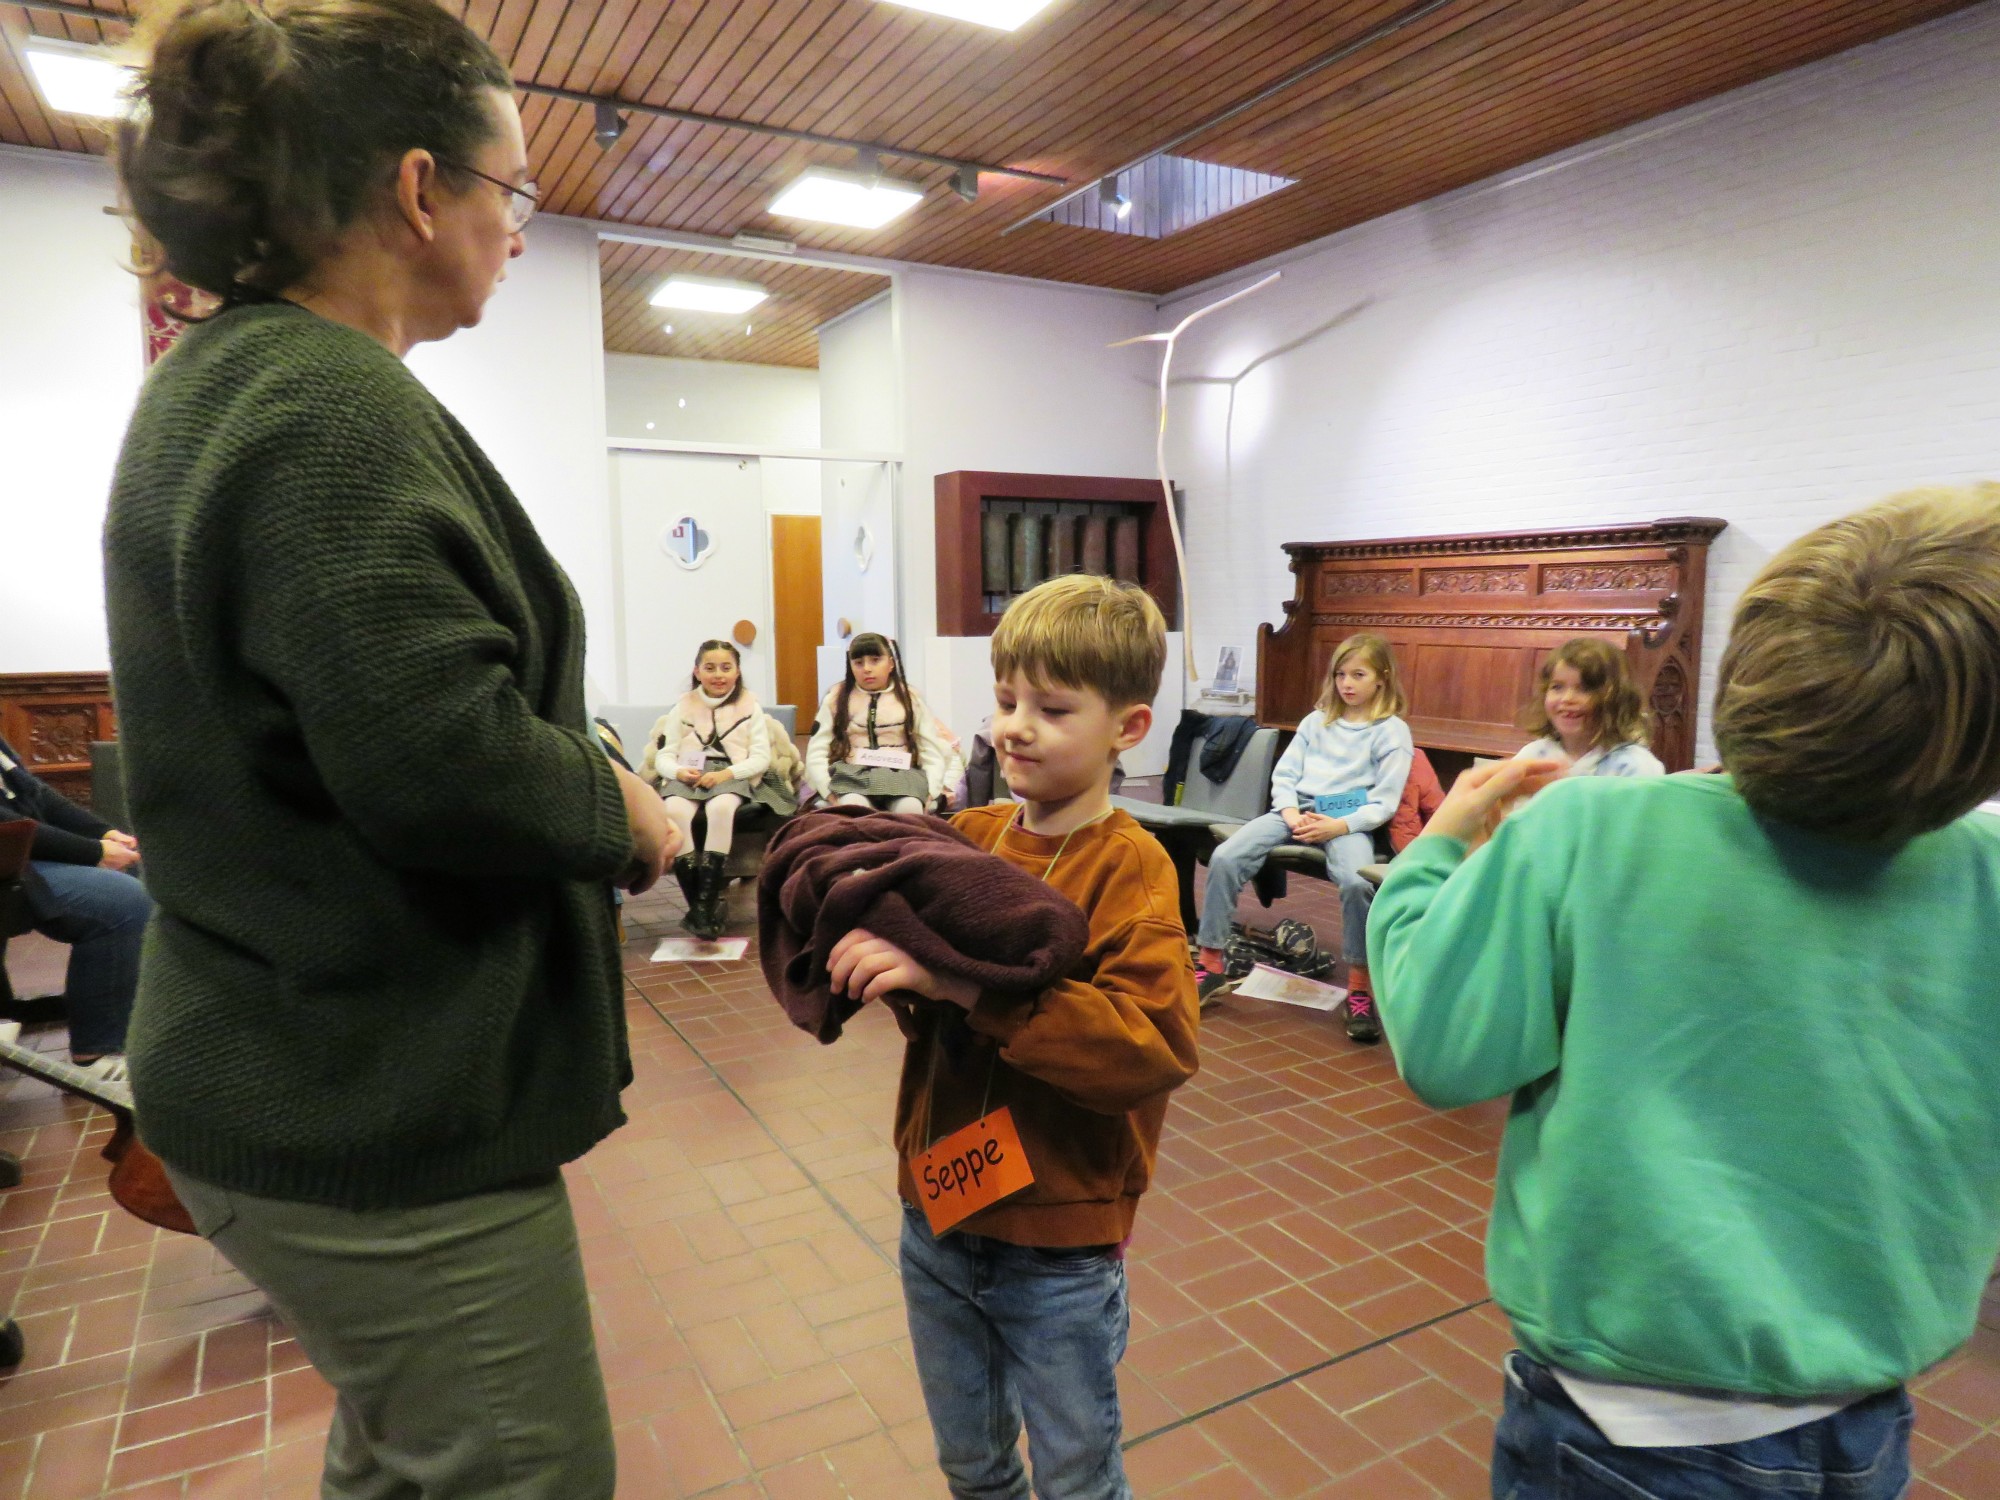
{"points": [[1160, 452]]}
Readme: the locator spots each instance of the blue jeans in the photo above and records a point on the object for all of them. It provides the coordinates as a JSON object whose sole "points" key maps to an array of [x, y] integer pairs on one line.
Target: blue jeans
{"points": [[102, 917], [1242, 855], [1003, 1332], [1547, 1449]]}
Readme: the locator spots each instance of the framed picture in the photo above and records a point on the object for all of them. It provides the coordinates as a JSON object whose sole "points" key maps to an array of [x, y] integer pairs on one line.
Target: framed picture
{"points": [[1226, 669]]}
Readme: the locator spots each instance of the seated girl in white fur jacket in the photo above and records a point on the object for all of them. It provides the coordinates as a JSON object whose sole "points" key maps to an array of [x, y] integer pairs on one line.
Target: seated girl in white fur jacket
{"points": [[712, 753]]}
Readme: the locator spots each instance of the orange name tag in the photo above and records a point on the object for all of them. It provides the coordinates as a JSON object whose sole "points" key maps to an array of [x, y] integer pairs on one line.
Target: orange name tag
{"points": [[971, 1169]]}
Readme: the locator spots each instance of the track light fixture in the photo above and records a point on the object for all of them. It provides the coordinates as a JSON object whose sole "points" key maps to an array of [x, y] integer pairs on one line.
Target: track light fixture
{"points": [[610, 125], [965, 183], [1111, 198]]}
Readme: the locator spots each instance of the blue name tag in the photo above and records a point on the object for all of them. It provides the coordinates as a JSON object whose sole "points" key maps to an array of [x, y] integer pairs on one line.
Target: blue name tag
{"points": [[1339, 804]]}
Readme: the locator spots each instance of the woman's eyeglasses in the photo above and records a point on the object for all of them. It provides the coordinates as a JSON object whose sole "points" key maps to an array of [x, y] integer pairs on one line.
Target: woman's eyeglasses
{"points": [[522, 200]]}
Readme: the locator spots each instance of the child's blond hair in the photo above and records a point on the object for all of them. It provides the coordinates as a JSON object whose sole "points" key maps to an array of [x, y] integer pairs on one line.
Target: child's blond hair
{"points": [[1390, 703], [1860, 690], [1085, 631]]}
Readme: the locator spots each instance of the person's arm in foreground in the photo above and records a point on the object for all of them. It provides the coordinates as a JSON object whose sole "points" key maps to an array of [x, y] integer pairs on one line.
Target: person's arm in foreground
{"points": [[1465, 953]]}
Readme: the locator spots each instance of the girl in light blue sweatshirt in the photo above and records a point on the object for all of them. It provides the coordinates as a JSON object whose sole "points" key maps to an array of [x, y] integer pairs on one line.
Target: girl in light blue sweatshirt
{"points": [[1337, 782]]}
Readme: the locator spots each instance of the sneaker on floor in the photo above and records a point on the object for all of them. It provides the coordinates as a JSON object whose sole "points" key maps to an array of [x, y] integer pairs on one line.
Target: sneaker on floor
{"points": [[1211, 986], [1363, 1025], [110, 1068]]}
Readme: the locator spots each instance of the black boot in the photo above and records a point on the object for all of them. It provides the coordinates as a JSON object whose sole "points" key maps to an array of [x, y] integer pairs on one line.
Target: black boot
{"points": [[705, 918], [684, 868]]}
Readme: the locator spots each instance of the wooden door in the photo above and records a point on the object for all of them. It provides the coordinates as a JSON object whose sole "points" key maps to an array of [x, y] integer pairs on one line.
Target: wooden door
{"points": [[796, 611]]}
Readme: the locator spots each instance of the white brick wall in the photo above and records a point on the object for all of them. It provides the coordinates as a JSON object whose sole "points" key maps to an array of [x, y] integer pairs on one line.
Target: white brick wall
{"points": [[1772, 308]]}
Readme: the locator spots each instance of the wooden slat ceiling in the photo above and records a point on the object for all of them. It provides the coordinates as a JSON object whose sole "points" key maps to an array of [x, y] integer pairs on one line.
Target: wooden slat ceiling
{"points": [[1477, 87], [802, 298]]}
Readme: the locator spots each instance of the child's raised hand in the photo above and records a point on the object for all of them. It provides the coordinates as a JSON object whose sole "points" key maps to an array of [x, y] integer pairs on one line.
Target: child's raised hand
{"points": [[1466, 809], [866, 967]]}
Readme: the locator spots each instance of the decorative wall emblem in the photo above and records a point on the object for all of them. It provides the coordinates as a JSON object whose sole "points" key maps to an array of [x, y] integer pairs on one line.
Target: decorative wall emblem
{"points": [[686, 543], [1607, 578], [1475, 580], [1395, 581]]}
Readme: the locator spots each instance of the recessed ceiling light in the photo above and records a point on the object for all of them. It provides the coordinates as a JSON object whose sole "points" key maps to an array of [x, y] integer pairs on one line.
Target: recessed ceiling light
{"points": [[670, 328], [748, 330], [709, 294], [858, 199], [684, 401], [1005, 14], [79, 80]]}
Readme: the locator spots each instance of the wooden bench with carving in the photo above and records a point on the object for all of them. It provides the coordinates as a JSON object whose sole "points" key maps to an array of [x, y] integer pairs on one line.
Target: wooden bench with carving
{"points": [[1472, 616]]}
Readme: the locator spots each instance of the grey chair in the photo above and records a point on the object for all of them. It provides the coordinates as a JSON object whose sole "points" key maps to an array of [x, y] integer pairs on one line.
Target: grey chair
{"points": [[1209, 811]]}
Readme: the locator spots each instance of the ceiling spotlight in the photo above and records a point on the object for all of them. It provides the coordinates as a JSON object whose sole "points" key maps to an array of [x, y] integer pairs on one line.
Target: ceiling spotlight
{"points": [[670, 328], [748, 330], [709, 294], [79, 80], [610, 124], [1004, 14], [856, 199], [965, 183], [1111, 198]]}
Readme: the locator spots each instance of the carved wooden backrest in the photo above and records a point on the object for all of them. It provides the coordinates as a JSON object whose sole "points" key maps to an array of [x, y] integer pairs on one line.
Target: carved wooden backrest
{"points": [[1471, 618], [50, 718]]}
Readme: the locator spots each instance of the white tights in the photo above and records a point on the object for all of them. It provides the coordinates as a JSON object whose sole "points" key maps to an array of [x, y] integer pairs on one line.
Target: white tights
{"points": [[886, 804], [721, 821]]}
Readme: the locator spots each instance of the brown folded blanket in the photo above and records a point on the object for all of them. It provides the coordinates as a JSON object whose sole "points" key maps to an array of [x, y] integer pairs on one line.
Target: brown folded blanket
{"points": [[921, 884]]}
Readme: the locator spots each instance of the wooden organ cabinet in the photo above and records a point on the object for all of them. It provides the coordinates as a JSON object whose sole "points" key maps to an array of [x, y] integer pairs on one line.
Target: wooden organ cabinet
{"points": [[1471, 618]]}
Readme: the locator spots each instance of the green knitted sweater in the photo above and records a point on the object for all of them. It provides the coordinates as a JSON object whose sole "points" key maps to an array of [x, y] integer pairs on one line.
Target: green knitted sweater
{"points": [[349, 683]]}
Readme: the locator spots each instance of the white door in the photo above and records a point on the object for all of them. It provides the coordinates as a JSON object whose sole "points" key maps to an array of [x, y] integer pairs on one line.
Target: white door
{"points": [[667, 508]]}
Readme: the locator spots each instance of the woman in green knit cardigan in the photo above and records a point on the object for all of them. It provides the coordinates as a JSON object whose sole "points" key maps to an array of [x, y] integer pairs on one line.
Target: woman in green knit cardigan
{"points": [[381, 1003]]}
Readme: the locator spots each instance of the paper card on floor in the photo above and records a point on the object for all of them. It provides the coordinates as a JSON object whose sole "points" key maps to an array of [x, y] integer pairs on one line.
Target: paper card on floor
{"points": [[1266, 983], [694, 950]]}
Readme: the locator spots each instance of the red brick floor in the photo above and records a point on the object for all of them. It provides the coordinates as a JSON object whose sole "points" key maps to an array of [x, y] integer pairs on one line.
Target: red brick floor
{"points": [[1308, 1306]]}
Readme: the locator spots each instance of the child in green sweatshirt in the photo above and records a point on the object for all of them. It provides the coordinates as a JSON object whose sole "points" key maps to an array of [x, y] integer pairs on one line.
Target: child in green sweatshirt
{"points": [[1751, 1182]]}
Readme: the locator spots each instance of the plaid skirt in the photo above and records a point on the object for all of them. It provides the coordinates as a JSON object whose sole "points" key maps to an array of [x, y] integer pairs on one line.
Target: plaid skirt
{"points": [[844, 779]]}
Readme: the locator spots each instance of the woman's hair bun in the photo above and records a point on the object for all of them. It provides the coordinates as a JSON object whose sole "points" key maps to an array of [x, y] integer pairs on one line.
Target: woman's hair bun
{"points": [[263, 130]]}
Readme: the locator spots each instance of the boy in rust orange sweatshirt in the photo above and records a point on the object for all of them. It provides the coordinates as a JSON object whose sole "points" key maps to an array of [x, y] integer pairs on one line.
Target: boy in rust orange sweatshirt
{"points": [[1027, 1124]]}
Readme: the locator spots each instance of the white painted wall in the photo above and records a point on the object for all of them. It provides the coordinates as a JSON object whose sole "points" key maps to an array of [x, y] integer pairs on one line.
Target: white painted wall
{"points": [[860, 396], [1019, 377], [668, 610], [528, 383], [70, 363], [710, 401], [1771, 308]]}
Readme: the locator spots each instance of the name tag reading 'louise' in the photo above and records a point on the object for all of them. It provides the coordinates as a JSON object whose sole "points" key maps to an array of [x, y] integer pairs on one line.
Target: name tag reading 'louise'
{"points": [[1340, 804], [971, 1169], [883, 757]]}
